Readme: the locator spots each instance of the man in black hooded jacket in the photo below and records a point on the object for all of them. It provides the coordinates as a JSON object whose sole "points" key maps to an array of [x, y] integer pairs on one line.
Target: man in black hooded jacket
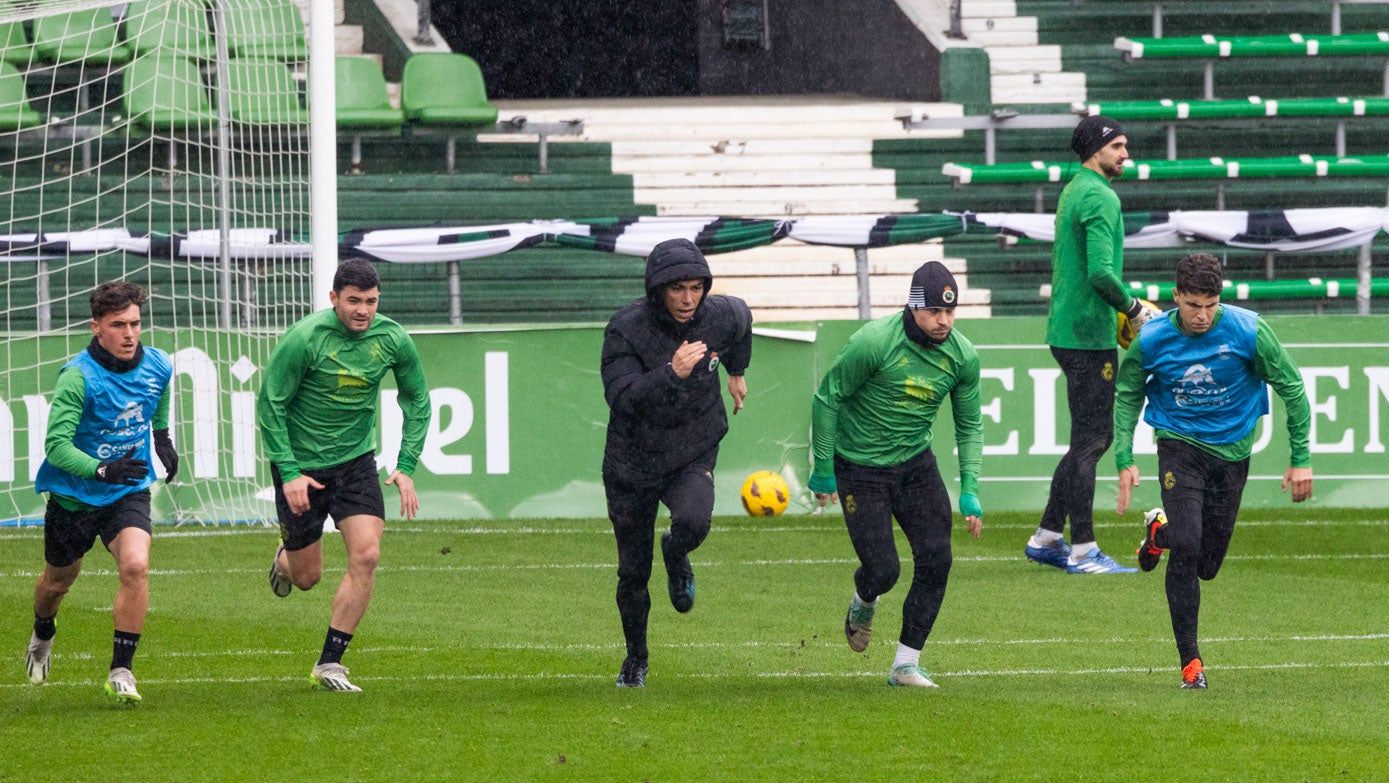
{"points": [[661, 357]]}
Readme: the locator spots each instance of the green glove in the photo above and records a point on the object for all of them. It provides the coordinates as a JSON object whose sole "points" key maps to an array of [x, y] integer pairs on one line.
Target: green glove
{"points": [[969, 505]]}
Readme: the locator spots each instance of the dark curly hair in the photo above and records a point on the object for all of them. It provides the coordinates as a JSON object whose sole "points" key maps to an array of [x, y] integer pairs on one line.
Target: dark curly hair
{"points": [[358, 273], [1199, 273], [114, 296]]}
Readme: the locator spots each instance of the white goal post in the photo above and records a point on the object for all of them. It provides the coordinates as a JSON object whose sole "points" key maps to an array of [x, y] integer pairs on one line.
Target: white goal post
{"points": [[167, 142]]}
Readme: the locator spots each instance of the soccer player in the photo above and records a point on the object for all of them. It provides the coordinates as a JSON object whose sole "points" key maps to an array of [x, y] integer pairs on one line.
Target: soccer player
{"points": [[1203, 368], [110, 404], [660, 368], [317, 417], [871, 419], [1087, 260]]}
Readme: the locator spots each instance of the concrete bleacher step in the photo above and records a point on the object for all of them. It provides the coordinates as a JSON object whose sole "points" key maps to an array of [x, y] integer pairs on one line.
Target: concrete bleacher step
{"points": [[761, 156], [792, 280], [1024, 59], [1038, 87]]}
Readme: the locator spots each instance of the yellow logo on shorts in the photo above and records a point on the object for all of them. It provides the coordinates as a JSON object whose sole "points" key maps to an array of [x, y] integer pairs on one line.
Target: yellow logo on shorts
{"points": [[1108, 372], [1168, 480], [850, 505]]}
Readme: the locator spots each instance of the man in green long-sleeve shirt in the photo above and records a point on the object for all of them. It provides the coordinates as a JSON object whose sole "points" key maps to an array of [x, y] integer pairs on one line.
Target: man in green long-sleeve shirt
{"points": [[1202, 369], [110, 405], [317, 417], [1087, 260], [872, 418]]}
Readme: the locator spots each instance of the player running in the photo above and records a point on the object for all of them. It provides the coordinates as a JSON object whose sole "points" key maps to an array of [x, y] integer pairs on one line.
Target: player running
{"points": [[1203, 368], [109, 404], [317, 417], [871, 419]]}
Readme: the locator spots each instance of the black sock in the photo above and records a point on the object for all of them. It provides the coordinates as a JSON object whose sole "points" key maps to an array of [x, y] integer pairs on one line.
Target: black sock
{"points": [[123, 650], [45, 627], [334, 645]]}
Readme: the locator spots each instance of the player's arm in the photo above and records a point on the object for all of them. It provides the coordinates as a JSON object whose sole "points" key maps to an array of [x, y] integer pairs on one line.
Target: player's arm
{"points": [[628, 387], [1103, 222], [850, 370], [738, 355], [163, 442], [969, 438], [69, 397], [1277, 368], [279, 384], [413, 398], [1128, 404]]}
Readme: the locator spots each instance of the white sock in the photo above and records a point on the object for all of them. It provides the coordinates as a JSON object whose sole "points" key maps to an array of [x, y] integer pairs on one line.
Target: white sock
{"points": [[859, 600], [906, 654], [1079, 551], [1043, 538]]}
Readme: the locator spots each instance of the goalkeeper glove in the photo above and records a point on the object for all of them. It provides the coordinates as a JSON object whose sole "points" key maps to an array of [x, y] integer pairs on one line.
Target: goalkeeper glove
{"points": [[1140, 313], [168, 455], [124, 470]]}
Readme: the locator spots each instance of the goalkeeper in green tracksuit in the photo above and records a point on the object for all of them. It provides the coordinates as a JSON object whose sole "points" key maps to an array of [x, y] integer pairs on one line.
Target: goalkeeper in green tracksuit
{"points": [[317, 417], [872, 418]]}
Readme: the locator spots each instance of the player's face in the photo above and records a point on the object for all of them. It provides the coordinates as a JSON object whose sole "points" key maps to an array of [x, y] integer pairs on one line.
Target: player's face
{"points": [[935, 321], [682, 297], [356, 308], [1111, 157], [1197, 311], [119, 332]]}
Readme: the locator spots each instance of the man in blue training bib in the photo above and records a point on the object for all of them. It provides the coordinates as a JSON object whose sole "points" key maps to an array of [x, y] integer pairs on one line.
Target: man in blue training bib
{"points": [[110, 409], [1202, 368]]}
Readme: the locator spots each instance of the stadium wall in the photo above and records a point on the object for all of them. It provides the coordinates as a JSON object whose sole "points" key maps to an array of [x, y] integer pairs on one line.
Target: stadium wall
{"points": [[519, 422]]}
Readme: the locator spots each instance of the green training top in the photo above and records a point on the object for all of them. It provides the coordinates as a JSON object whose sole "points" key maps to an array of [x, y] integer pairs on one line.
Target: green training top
{"points": [[318, 400], [877, 403], [69, 399], [1087, 260], [1271, 363]]}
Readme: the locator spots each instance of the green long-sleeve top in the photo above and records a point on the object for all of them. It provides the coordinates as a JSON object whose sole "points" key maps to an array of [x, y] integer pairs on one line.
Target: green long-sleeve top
{"points": [[877, 403], [69, 398], [1087, 260], [318, 400], [1271, 363]]}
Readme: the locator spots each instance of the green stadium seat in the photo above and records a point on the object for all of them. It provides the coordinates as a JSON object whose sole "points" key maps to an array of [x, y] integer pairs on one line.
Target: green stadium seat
{"points": [[166, 94], [446, 91], [264, 92], [79, 37], [15, 111], [14, 45], [1291, 45], [1252, 106], [362, 102], [440, 89], [176, 28], [271, 29]]}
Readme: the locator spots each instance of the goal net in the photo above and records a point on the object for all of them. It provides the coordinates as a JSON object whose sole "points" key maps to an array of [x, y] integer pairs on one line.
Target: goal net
{"points": [[164, 142]]}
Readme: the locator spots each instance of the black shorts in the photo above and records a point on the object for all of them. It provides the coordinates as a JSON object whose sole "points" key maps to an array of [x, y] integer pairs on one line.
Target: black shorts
{"points": [[350, 489], [68, 535]]}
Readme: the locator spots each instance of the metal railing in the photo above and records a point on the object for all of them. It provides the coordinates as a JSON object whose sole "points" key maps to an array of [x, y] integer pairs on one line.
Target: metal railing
{"points": [[423, 36], [957, 29]]}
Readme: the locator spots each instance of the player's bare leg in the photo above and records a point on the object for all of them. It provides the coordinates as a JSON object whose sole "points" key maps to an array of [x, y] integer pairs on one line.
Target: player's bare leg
{"points": [[303, 567], [361, 534], [52, 585]]}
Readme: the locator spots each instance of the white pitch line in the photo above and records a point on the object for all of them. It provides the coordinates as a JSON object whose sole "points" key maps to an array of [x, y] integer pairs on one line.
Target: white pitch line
{"points": [[789, 675], [472, 568]]}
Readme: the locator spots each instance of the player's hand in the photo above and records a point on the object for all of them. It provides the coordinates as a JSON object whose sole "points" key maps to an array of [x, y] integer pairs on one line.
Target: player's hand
{"points": [[297, 492], [1301, 481], [822, 498], [1140, 314], [168, 455], [738, 390], [686, 357], [1128, 479], [409, 501], [973, 512], [125, 470]]}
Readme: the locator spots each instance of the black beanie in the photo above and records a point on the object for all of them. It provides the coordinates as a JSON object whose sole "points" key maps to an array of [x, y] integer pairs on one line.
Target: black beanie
{"points": [[932, 286], [1092, 134]]}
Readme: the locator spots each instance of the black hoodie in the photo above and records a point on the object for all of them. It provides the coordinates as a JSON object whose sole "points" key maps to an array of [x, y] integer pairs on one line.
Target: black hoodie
{"points": [[658, 422]]}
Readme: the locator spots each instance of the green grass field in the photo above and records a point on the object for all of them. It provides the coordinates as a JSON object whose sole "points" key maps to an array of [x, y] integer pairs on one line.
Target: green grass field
{"points": [[490, 651]]}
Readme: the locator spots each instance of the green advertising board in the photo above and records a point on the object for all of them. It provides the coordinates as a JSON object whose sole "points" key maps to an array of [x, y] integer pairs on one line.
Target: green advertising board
{"points": [[519, 420]]}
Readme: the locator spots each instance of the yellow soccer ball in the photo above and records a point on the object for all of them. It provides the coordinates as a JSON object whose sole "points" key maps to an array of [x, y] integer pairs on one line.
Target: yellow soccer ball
{"points": [[1127, 334], [765, 494]]}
